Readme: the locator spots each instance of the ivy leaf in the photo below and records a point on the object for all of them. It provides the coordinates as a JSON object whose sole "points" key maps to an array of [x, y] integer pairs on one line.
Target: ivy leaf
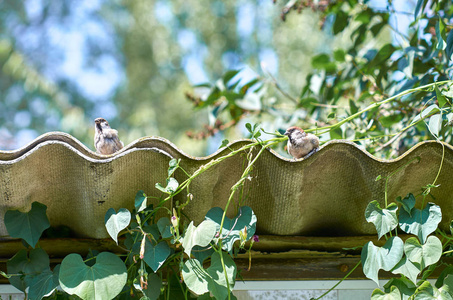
{"points": [[407, 203], [140, 201], [427, 291], [30, 264], [198, 236], [224, 143], [435, 124], [103, 280], [426, 254], [164, 226], [155, 255], [172, 186], [425, 113], [394, 294], [173, 165], [201, 281], [115, 222], [152, 292], [232, 227], [421, 222], [447, 285], [385, 220], [375, 258], [44, 284], [405, 286], [407, 268], [27, 226]]}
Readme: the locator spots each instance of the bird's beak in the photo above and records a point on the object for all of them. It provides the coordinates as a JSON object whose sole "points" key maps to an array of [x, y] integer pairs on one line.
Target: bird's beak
{"points": [[286, 132]]}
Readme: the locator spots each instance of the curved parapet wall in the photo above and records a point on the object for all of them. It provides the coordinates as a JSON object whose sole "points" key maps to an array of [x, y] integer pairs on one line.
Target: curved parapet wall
{"points": [[325, 194]]}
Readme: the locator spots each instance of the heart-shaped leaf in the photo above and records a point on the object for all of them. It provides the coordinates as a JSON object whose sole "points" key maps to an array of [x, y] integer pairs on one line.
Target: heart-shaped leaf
{"points": [[30, 264], [426, 254], [375, 258], [385, 220], [44, 284], [407, 203], [164, 226], [104, 280], [421, 222], [426, 291], [152, 292], [173, 165], [200, 280], [28, 226], [115, 222], [155, 255], [198, 236], [172, 186], [448, 285], [407, 268], [232, 228], [394, 294], [404, 285], [140, 201]]}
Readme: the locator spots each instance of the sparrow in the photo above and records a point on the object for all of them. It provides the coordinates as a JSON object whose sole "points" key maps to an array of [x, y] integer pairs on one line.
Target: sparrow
{"points": [[301, 144], [106, 139]]}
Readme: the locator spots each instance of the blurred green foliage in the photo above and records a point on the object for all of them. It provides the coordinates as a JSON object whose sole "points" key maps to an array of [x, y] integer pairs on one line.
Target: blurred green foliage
{"points": [[157, 49]]}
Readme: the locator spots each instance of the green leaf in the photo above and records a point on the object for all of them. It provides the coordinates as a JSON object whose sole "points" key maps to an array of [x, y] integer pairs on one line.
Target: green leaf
{"points": [[407, 203], [448, 285], [224, 143], [323, 62], [164, 225], [440, 34], [394, 294], [447, 271], [232, 227], [229, 75], [441, 100], [385, 220], [27, 226], [201, 281], [104, 280], [375, 258], [418, 8], [435, 124], [172, 186], [428, 292], [155, 255], [405, 286], [425, 113], [407, 268], [29, 264], [140, 201], [421, 222], [154, 285], [424, 255], [44, 284], [341, 21], [449, 48], [201, 235], [115, 222], [173, 165], [336, 133], [201, 253]]}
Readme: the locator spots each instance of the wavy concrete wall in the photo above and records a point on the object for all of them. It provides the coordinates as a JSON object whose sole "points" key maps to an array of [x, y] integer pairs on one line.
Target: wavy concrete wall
{"points": [[325, 194]]}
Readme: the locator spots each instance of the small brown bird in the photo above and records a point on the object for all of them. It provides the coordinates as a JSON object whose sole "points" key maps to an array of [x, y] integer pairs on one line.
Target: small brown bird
{"points": [[106, 139], [300, 143]]}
